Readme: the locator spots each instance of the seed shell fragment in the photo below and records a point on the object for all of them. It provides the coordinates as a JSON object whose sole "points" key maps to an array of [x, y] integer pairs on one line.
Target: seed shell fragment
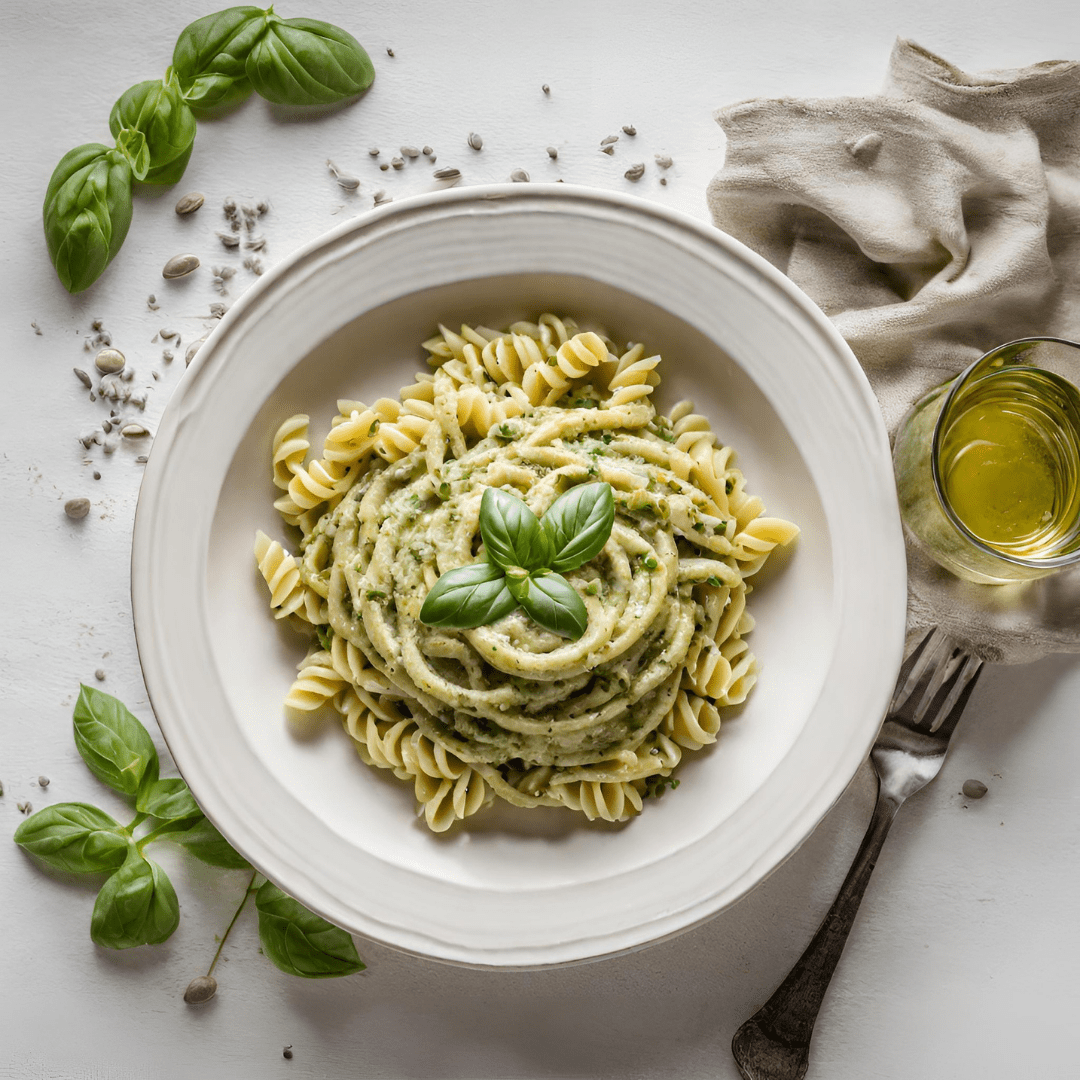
{"points": [[109, 361], [475, 141], [519, 176], [180, 266], [635, 172], [189, 203]]}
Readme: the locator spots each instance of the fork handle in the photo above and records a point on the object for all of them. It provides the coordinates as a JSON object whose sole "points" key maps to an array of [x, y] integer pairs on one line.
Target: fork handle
{"points": [[774, 1044]]}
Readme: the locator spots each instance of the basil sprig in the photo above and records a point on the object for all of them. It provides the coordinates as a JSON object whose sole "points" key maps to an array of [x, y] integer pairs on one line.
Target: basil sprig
{"points": [[137, 904], [217, 61], [523, 557]]}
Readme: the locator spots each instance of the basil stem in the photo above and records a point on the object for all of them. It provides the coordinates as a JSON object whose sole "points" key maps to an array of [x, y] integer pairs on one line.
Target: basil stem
{"points": [[136, 906], [300, 942], [87, 212], [307, 62], [75, 837], [210, 55], [157, 109]]}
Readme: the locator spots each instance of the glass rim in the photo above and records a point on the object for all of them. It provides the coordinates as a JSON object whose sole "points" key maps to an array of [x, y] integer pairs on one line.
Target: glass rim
{"points": [[1054, 561]]}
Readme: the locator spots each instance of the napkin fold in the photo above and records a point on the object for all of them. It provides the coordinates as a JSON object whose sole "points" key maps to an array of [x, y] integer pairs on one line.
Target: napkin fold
{"points": [[930, 222]]}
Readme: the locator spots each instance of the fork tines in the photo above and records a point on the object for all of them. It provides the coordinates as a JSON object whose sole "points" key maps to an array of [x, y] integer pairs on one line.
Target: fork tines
{"points": [[936, 680]]}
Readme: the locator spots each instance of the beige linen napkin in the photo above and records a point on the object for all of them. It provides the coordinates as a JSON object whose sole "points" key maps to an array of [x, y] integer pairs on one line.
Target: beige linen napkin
{"points": [[930, 222]]}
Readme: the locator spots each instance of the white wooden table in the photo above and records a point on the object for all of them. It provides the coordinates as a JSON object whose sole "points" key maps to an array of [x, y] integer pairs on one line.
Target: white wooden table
{"points": [[960, 962]]}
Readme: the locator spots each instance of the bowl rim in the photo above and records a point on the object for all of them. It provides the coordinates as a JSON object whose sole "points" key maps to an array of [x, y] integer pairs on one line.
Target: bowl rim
{"points": [[890, 634]]}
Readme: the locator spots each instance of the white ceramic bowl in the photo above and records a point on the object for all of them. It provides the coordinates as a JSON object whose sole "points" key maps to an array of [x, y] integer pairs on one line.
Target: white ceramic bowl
{"points": [[343, 318]]}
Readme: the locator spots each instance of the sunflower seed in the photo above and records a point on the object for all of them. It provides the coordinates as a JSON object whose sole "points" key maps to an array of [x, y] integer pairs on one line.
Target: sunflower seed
{"points": [[43, 781], [635, 172], [100, 674], [83, 378], [106, 426], [151, 302], [381, 197], [552, 153], [167, 333], [397, 162], [519, 176], [190, 202], [663, 181], [410, 152], [109, 361], [180, 266], [663, 161], [374, 151], [384, 166], [192, 349], [629, 129], [428, 151], [77, 509], [134, 431], [345, 180], [448, 172], [167, 355], [546, 88], [475, 141], [610, 140], [607, 149], [201, 989], [229, 240], [97, 476], [255, 243]]}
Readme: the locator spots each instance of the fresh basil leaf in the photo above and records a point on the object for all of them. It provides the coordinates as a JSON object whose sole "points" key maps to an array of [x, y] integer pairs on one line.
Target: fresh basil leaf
{"points": [[469, 596], [116, 748], [210, 55], [136, 906], [132, 144], [307, 62], [75, 837], [203, 841], [87, 212], [579, 523], [511, 532], [169, 800], [300, 942], [157, 109], [553, 603]]}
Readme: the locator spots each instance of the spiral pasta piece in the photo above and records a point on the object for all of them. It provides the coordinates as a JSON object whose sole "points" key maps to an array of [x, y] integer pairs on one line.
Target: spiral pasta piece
{"points": [[281, 574], [290, 449], [316, 684]]}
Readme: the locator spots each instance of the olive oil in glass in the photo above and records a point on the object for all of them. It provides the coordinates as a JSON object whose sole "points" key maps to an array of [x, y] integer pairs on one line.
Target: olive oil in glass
{"points": [[1009, 461]]}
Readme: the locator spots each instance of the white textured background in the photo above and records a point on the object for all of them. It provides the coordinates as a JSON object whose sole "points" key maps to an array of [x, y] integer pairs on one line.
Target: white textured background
{"points": [[961, 961]]}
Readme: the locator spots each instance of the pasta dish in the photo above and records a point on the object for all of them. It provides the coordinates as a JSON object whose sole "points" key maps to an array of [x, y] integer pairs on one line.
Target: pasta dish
{"points": [[517, 706]]}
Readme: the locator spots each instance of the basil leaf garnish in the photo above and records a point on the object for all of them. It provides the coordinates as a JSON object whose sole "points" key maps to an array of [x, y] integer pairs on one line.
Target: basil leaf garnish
{"points": [[86, 213], [117, 749], [203, 841], [468, 596], [307, 62], [75, 837], [300, 942], [136, 906], [578, 524], [210, 55], [132, 144], [553, 603], [157, 109], [511, 532], [167, 799]]}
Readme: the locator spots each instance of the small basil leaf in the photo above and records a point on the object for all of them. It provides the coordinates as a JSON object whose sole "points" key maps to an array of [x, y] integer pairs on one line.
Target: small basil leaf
{"points": [[116, 748], [553, 603], [203, 841], [136, 906], [300, 942], [169, 800], [469, 596], [132, 144], [511, 532], [157, 109], [579, 523], [75, 837], [86, 213], [307, 62], [210, 55]]}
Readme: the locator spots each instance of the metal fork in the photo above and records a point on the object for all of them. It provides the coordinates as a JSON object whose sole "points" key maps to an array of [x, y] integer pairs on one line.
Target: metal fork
{"points": [[933, 687]]}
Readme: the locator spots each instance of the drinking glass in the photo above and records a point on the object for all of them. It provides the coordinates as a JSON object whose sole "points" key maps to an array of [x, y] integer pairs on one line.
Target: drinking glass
{"points": [[988, 464]]}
